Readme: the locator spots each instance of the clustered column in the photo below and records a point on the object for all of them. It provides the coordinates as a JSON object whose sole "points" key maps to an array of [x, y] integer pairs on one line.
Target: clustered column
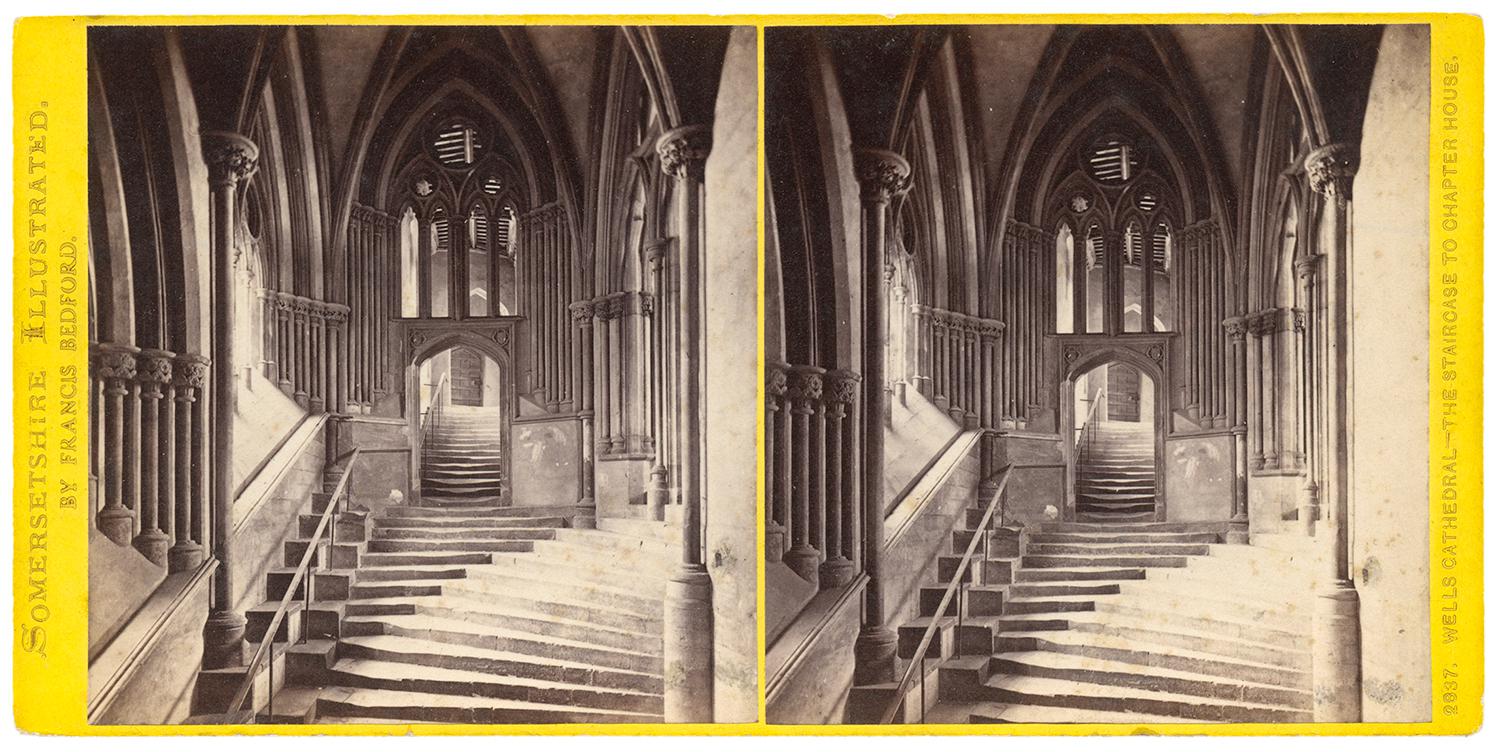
{"points": [[1025, 267], [1204, 296], [544, 285]]}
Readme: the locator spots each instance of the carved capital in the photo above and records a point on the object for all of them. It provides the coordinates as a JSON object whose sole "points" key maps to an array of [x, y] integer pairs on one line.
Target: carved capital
{"points": [[1235, 327], [115, 362], [154, 368], [882, 174], [806, 386], [683, 151], [1307, 267], [191, 371], [842, 387], [776, 383], [230, 157], [1331, 169], [582, 312], [1299, 320]]}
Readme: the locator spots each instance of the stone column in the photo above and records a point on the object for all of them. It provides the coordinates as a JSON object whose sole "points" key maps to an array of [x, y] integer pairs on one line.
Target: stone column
{"points": [[1235, 327], [116, 364], [840, 392], [153, 371], [882, 175], [189, 376], [687, 614], [582, 313], [776, 448], [804, 392], [231, 158], [1337, 660]]}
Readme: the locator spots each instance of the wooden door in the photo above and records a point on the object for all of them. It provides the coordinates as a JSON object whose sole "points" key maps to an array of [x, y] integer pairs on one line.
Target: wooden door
{"points": [[467, 377], [1124, 393]]}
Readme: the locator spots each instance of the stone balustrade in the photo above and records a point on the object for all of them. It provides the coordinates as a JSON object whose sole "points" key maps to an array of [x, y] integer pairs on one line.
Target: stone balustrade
{"points": [[812, 459], [150, 451]]}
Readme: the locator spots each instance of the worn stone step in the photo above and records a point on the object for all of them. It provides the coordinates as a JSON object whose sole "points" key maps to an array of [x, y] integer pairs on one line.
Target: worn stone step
{"points": [[1103, 671], [378, 674], [438, 629], [978, 600], [1058, 693], [341, 704], [411, 545], [459, 533], [395, 649], [620, 590], [464, 523], [1117, 549], [644, 636], [541, 598], [1049, 605], [1044, 537], [1146, 654], [1051, 562], [1020, 590], [1081, 574]]}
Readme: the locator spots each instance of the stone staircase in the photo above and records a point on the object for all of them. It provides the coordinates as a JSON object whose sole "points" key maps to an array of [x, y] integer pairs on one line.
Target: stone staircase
{"points": [[1116, 474], [463, 458], [1142, 622], [468, 613]]}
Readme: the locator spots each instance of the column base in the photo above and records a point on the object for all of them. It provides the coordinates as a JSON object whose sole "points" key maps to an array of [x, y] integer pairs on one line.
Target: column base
{"points": [[803, 559], [116, 523], [775, 541], [875, 656], [153, 545], [1338, 680], [837, 572], [224, 640], [185, 557], [657, 495], [688, 646], [584, 518], [315, 404]]}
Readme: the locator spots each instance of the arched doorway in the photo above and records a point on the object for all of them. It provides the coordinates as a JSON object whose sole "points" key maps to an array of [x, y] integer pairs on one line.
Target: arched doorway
{"points": [[460, 420], [1115, 412]]}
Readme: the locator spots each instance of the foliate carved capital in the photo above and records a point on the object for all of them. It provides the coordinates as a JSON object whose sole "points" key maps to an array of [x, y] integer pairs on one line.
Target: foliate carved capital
{"points": [[683, 151], [154, 367], [1331, 169], [230, 157], [337, 313], [191, 371], [776, 381], [116, 362], [1235, 327], [843, 386], [806, 386], [882, 174], [582, 312]]}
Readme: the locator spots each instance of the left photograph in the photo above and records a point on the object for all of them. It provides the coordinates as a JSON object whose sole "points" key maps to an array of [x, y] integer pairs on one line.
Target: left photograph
{"points": [[417, 385]]}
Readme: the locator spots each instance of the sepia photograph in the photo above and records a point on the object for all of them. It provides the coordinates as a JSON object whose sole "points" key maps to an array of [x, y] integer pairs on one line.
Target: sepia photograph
{"points": [[405, 348], [1097, 374]]}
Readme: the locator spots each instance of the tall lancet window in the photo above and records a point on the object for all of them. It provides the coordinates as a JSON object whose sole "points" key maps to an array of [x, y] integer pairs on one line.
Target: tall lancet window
{"points": [[410, 244], [1064, 279], [441, 265], [478, 244]]}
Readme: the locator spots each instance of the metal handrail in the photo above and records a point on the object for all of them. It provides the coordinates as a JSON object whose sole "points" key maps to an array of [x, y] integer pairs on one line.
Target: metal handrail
{"points": [[435, 410], [1090, 425], [919, 657], [264, 649]]}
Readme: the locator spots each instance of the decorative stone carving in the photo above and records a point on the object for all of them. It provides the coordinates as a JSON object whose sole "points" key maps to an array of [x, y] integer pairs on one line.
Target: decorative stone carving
{"points": [[582, 312], [230, 157], [1235, 327], [683, 151], [153, 369], [116, 363], [807, 388], [882, 174], [843, 387], [1331, 169], [191, 372]]}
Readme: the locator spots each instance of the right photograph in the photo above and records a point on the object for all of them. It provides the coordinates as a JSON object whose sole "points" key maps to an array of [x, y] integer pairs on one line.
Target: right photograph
{"points": [[1090, 396]]}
